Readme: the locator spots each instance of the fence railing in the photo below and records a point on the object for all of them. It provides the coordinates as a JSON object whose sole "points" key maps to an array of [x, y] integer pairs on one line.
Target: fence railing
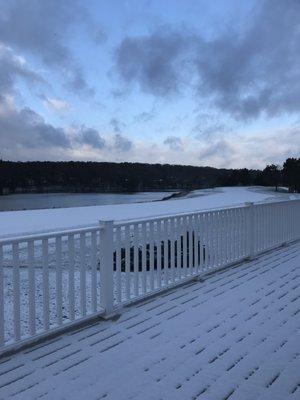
{"points": [[53, 280]]}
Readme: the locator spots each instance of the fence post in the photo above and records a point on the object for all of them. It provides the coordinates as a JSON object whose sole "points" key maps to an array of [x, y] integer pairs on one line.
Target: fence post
{"points": [[106, 266], [250, 228]]}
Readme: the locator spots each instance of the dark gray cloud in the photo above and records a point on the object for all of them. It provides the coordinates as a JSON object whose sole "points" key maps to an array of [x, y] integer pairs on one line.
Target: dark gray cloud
{"points": [[25, 128], [42, 28], [245, 72], [24, 134], [174, 143], [122, 143], [153, 61], [257, 70], [90, 137]]}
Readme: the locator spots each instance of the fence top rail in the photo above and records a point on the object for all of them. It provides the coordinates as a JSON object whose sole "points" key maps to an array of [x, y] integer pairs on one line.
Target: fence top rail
{"points": [[96, 227], [47, 235], [162, 217]]}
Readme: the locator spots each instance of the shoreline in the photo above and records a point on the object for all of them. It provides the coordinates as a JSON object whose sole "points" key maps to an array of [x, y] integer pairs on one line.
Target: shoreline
{"points": [[176, 195]]}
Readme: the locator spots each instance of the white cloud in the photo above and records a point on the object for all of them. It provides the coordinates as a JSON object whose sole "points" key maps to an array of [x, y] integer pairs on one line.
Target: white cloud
{"points": [[57, 105]]}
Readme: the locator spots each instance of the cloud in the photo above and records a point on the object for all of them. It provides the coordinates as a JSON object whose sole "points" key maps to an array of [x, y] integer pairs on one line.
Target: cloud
{"points": [[13, 67], [57, 105], [218, 152], [210, 129], [38, 27], [153, 61], [245, 72], [263, 148], [90, 137], [122, 143], [251, 150], [25, 135], [77, 83], [144, 116], [174, 143], [26, 129], [117, 125], [98, 34], [257, 70], [42, 29]]}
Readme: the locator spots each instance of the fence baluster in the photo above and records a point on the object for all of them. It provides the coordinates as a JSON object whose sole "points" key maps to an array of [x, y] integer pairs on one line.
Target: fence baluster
{"points": [[136, 259], [218, 238], [82, 275], [106, 265], [190, 245], [201, 242], [16, 288], [196, 243], [172, 249], [166, 253], [127, 262], [71, 251], [118, 265], [46, 310], [184, 232], [94, 270], [31, 285], [179, 247], [158, 255], [151, 255], [2, 322], [58, 273], [144, 257]]}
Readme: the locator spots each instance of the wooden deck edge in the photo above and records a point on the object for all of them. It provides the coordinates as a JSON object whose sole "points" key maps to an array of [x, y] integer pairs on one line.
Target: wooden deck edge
{"points": [[69, 327]]}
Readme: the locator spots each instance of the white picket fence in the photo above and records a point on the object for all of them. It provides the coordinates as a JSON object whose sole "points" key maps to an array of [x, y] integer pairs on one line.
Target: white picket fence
{"points": [[53, 280]]}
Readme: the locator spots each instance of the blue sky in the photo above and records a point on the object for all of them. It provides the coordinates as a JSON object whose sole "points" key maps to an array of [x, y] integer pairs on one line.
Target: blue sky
{"points": [[188, 82]]}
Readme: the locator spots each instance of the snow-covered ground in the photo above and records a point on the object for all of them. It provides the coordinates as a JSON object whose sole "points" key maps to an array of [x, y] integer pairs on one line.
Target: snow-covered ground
{"points": [[18, 222], [235, 336]]}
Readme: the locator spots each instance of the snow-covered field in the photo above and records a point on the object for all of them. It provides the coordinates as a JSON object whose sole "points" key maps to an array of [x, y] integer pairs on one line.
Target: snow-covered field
{"points": [[19, 222]]}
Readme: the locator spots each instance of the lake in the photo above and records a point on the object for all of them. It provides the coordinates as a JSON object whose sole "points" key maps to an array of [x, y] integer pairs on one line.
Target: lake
{"points": [[34, 201]]}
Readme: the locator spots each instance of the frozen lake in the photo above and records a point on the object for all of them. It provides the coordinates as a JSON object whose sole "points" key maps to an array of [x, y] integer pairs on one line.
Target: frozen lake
{"points": [[36, 201]]}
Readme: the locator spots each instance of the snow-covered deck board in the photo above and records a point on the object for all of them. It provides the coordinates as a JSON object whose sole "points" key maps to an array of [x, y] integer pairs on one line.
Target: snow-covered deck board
{"points": [[234, 336]]}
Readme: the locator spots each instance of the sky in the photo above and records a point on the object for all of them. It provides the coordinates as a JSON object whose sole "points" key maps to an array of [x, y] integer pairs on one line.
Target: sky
{"points": [[192, 82]]}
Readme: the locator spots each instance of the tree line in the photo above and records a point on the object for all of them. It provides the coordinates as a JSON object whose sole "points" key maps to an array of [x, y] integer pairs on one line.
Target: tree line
{"points": [[34, 176], [287, 175]]}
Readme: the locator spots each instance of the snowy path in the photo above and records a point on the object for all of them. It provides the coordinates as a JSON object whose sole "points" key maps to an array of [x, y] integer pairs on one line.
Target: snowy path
{"points": [[234, 336]]}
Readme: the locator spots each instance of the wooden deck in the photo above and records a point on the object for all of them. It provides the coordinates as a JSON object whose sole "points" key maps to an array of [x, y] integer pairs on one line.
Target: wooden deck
{"points": [[234, 336]]}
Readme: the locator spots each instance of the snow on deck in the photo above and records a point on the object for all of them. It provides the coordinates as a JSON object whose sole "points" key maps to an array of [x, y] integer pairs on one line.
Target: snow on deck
{"points": [[234, 336]]}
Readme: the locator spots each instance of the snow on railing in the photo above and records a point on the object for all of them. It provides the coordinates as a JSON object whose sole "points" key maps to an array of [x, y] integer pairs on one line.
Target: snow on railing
{"points": [[51, 281]]}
